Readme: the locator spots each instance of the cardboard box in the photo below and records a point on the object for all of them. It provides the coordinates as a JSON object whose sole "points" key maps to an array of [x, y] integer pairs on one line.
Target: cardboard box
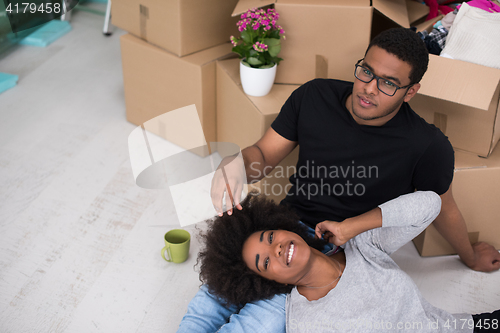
{"points": [[157, 81], [243, 120], [422, 25], [325, 38], [179, 26], [476, 191], [462, 99]]}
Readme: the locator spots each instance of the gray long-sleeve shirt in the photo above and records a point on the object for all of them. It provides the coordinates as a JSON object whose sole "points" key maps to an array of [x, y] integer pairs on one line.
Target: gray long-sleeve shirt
{"points": [[374, 294]]}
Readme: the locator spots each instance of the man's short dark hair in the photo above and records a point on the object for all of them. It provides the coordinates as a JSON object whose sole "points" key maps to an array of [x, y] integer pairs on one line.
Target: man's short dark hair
{"points": [[407, 46]]}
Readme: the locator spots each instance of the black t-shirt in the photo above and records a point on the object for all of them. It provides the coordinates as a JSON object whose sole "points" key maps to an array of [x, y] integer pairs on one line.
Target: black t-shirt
{"points": [[345, 169]]}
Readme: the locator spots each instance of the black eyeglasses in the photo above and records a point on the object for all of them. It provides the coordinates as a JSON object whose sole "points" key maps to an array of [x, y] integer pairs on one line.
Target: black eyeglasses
{"points": [[365, 75]]}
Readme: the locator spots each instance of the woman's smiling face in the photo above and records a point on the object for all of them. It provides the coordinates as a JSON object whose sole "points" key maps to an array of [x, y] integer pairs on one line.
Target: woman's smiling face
{"points": [[277, 255]]}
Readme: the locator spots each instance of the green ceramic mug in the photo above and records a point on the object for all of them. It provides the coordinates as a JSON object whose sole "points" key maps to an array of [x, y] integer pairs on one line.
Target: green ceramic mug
{"points": [[176, 245]]}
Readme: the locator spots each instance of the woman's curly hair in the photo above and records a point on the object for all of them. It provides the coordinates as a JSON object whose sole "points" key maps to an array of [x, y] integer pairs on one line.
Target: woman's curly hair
{"points": [[222, 267]]}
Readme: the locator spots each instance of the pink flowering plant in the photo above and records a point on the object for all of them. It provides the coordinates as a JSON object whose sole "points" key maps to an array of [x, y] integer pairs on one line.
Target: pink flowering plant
{"points": [[260, 40]]}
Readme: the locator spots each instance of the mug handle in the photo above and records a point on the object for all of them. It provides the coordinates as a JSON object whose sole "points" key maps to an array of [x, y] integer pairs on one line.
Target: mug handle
{"points": [[168, 252]]}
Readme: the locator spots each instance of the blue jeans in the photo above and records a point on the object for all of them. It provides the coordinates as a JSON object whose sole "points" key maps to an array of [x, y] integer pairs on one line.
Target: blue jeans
{"points": [[206, 313]]}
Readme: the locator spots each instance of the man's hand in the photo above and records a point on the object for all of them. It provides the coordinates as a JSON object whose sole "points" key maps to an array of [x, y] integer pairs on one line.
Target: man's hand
{"points": [[331, 232], [228, 180], [486, 258], [451, 225], [251, 165]]}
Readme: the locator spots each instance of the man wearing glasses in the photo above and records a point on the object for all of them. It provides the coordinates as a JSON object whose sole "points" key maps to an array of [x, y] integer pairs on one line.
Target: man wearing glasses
{"points": [[361, 145]]}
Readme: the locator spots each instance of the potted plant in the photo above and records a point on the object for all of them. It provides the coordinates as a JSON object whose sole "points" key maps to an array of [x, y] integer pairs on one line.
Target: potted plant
{"points": [[258, 48]]}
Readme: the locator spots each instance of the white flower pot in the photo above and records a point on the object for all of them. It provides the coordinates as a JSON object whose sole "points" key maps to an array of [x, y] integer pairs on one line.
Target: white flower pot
{"points": [[257, 81]]}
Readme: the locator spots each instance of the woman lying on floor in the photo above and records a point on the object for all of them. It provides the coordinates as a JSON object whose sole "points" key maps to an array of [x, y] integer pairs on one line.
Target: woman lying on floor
{"points": [[263, 250]]}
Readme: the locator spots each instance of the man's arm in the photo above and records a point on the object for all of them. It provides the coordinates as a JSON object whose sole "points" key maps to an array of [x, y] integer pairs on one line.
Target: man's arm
{"points": [[262, 157], [258, 161], [451, 225], [402, 219]]}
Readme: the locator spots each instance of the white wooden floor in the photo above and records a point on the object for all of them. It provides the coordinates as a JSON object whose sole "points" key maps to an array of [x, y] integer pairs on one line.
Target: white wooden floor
{"points": [[79, 241]]}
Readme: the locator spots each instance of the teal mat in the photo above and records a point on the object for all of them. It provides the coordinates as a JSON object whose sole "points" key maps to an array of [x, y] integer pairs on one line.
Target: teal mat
{"points": [[7, 81], [47, 34]]}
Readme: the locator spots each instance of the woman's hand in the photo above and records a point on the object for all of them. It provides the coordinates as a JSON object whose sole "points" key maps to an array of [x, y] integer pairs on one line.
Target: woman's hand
{"points": [[339, 233], [332, 232]]}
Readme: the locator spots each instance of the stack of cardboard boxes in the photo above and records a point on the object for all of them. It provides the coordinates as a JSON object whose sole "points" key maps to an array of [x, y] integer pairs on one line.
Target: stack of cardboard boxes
{"points": [[462, 99], [244, 119], [169, 55], [324, 39]]}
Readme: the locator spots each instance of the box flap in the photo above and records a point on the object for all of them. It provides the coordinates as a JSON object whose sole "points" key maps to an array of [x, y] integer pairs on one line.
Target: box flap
{"points": [[231, 67], [209, 55], [350, 3], [416, 10], [496, 127], [272, 102], [394, 9], [465, 160], [267, 105], [460, 82], [243, 5]]}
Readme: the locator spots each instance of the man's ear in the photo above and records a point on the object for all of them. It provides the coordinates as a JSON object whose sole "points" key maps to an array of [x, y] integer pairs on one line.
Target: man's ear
{"points": [[412, 92]]}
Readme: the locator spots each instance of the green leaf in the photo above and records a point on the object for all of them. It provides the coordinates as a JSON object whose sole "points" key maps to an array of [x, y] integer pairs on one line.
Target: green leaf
{"points": [[274, 50], [272, 41], [275, 34], [254, 61], [254, 34], [253, 53], [247, 48], [246, 63], [267, 66], [246, 36], [240, 50]]}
